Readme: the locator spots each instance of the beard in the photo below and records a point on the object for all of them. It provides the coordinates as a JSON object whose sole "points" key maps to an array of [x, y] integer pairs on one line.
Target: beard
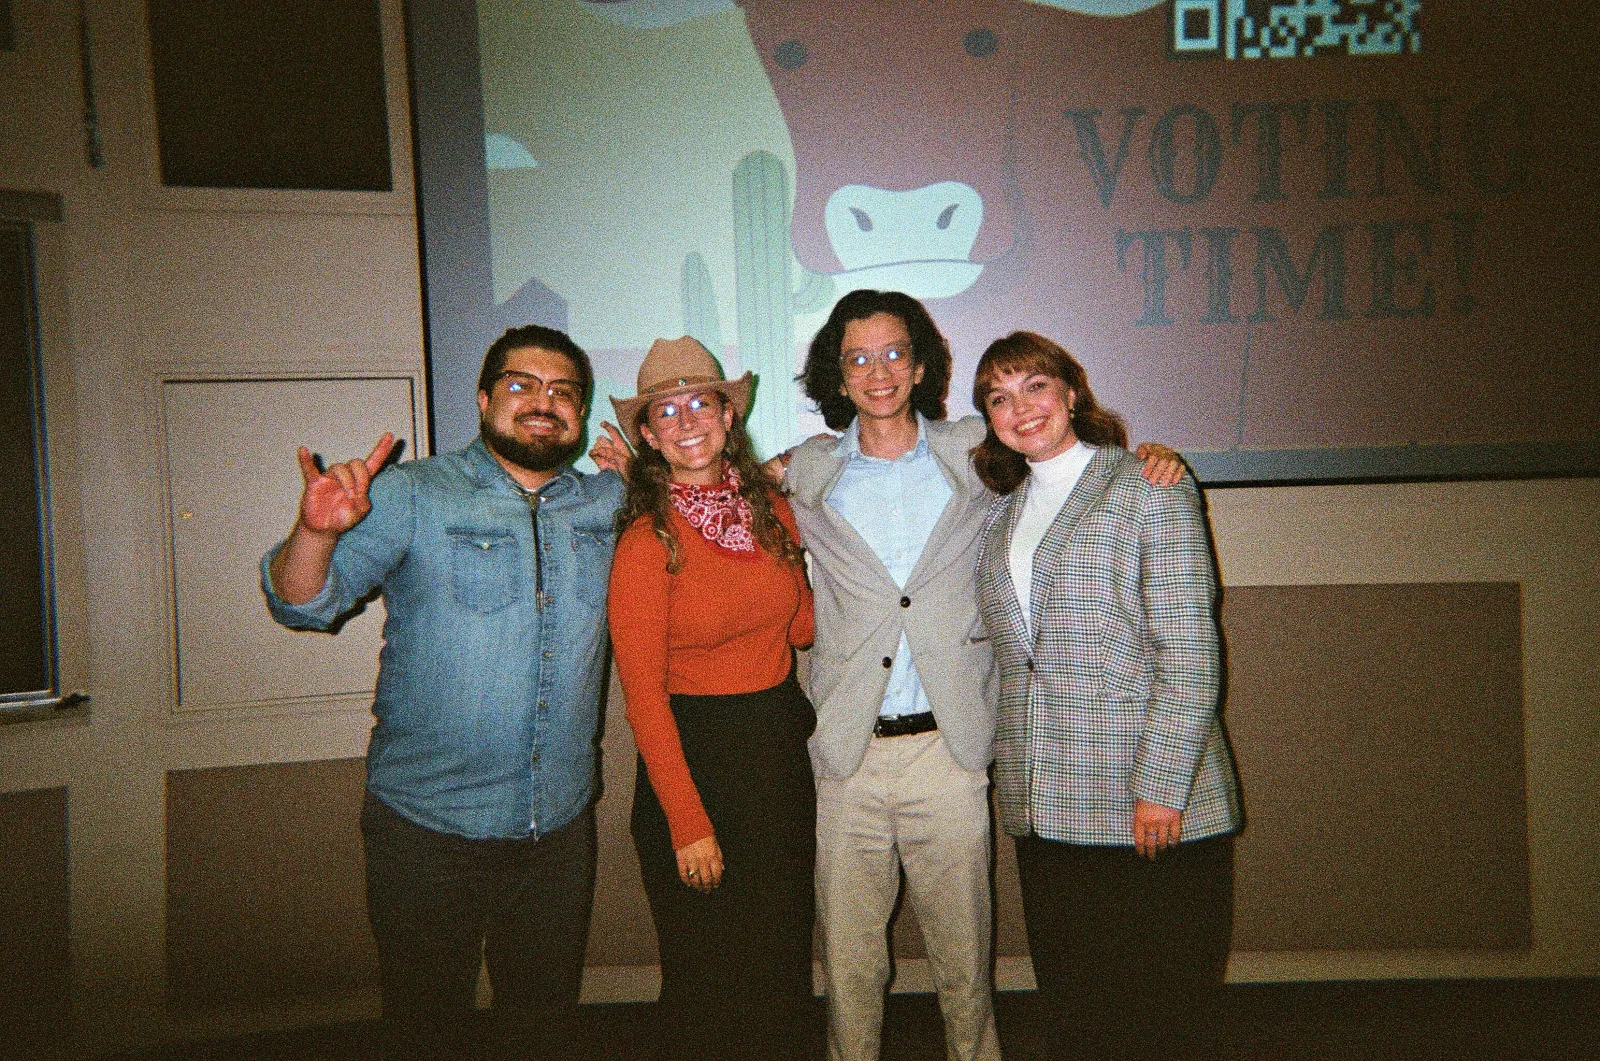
{"points": [[540, 455]]}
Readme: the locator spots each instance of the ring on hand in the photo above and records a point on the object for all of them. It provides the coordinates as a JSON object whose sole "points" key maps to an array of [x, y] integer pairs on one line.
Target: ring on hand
{"points": [[693, 873]]}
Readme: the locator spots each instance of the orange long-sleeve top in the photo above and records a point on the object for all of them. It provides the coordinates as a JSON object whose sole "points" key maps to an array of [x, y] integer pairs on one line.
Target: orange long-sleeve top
{"points": [[723, 624]]}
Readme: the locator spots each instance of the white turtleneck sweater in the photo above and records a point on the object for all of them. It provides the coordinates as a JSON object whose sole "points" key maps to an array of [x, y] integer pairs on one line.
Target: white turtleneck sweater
{"points": [[1049, 482]]}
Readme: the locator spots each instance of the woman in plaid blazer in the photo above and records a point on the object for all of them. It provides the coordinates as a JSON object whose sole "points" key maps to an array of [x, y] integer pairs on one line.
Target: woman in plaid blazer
{"points": [[1112, 771]]}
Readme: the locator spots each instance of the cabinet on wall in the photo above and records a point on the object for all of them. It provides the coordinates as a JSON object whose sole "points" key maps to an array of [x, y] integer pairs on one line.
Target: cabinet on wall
{"points": [[232, 488]]}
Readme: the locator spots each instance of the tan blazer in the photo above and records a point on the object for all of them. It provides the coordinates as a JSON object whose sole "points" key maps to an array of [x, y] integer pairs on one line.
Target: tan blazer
{"points": [[861, 613]]}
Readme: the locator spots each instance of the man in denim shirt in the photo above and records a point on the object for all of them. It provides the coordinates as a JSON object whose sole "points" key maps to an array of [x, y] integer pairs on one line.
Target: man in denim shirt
{"points": [[478, 825]]}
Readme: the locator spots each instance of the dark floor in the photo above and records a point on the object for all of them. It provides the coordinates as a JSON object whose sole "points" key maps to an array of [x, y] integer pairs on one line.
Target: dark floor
{"points": [[1470, 1020]]}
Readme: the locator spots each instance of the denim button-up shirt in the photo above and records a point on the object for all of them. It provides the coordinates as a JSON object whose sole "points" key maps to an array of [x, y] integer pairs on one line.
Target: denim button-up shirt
{"points": [[893, 505], [488, 691]]}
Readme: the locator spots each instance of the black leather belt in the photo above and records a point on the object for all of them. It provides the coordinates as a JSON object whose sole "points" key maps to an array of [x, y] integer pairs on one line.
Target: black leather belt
{"points": [[904, 725]]}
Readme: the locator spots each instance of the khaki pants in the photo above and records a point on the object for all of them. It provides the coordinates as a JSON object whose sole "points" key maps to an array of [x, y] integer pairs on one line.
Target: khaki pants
{"points": [[909, 804]]}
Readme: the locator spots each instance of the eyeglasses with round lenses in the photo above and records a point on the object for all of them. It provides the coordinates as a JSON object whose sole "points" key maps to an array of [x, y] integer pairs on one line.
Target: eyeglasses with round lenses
{"points": [[524, 384], [673, 409], [893, 359]]}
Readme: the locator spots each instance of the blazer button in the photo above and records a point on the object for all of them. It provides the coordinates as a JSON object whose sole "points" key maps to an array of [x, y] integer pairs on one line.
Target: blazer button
{"points": [[1030, 664], [905, 602], [888, 661]]}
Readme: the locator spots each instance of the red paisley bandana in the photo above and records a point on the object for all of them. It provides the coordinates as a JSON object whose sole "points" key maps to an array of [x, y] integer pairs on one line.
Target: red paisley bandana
{"points": [[718, 512]]}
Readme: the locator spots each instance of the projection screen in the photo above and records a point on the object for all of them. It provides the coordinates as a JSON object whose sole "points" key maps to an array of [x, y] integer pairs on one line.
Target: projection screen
{"points": [[1326, 240]]}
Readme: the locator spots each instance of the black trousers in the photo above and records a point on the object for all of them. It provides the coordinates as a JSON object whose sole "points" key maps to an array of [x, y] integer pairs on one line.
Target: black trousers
{"points": [[442, 905], [736, 963], [1129, 953]]}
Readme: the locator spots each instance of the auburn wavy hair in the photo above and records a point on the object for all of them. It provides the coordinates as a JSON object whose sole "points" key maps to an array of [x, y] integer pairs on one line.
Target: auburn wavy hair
{"points": [[1001, 468], [648, 496]]}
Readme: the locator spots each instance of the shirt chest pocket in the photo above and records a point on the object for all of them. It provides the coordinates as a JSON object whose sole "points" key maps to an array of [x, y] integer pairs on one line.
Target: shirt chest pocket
{"points": [[485, 569], [592, 547]]}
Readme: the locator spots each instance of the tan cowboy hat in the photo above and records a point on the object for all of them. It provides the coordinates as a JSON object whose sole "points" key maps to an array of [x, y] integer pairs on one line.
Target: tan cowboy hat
{"points": [[678, 366]]}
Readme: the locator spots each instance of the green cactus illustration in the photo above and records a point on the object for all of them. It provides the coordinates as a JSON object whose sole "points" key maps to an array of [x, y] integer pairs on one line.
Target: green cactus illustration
{"points": [[763, 295], [815, 292], [765, 300], [700, 304]]}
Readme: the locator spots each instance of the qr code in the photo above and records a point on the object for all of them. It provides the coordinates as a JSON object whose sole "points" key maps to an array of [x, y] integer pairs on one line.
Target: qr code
{"points": [[1258, 29]]}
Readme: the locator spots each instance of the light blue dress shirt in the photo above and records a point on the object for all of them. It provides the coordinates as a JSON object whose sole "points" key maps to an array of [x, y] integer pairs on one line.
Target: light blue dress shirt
{"points": [[893, 505], [488, 689]]}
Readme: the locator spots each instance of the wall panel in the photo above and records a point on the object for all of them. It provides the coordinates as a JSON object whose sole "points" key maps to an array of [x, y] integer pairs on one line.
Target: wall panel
{"points": [[265, 892], [1379, 734], [34, 999], [233, 489]]}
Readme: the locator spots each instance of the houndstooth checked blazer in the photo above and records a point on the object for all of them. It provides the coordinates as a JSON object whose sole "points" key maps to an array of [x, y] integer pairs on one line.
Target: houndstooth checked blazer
{"points": [[1115, 696]]}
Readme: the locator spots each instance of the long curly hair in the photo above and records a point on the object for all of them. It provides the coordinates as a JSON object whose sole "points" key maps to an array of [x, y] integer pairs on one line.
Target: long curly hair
{"points": [[1001, 468], [823, 375], [648, 495]]}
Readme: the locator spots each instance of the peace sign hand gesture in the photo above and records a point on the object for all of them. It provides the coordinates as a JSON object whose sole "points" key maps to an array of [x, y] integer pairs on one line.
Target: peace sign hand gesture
{"points": [[335, 500]]}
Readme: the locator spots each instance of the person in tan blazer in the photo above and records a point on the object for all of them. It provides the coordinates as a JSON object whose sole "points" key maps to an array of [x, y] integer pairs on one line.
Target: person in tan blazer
{"points": [[902, 672]]}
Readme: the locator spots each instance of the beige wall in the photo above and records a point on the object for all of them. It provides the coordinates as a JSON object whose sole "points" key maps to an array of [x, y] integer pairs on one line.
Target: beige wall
{"points": [[140, 281], [1545, 535], [137, 282]]}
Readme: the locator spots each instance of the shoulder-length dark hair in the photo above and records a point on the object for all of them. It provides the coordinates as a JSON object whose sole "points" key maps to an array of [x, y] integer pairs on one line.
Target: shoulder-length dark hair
{"points": [[648, 496], [1002, 469], [824, 375]]}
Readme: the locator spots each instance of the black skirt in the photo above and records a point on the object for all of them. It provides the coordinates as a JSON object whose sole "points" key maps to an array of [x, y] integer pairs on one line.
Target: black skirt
{"points": [[736, 962]]}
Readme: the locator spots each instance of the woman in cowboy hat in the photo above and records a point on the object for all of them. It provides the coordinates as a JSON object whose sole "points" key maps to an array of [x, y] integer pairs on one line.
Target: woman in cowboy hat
{"points": [[708, 598]]}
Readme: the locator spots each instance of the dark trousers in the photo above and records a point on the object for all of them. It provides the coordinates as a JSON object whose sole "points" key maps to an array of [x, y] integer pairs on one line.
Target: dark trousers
{"points": [[736, 962], [442, 905], [1129, 953]]}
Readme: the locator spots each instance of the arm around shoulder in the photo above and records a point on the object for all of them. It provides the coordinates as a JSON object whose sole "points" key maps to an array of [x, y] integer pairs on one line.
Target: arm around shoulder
{"points": [[973, 428], [1173, 515]]}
